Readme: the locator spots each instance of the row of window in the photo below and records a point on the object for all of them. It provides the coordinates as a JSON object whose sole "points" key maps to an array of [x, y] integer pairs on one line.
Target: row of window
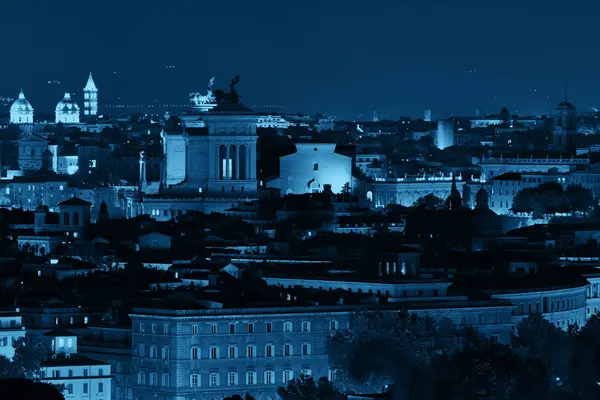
{"points": [[233, 352], [232, 378], [56, 373], [288, 326], [85, 388]]}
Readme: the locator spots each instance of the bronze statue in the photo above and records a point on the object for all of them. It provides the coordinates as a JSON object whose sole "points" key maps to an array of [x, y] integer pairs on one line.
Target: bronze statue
{"points": [[229, 98]]}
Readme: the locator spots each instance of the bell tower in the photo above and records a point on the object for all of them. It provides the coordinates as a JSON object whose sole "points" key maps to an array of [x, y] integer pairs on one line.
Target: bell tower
{"points": [[90, 98]]}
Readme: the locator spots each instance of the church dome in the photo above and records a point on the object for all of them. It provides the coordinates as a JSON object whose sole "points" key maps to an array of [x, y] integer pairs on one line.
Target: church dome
{"points": [[67, 104], [21, 105]]}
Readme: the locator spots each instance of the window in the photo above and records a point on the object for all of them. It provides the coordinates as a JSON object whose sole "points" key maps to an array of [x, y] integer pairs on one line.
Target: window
{"points": [[251, 351], [166, 329], [69, 343], [195, 353], [165, 354], [316, 167], [194, 329], [250, 378], [288, 375], [153, 351], [305, 326], [141, 379], [61, 342], [213, 329], [142, 327], [306, 349], [331, 375], [269, 327], [141, 350], [100, 372], [86, 387], [288, 350], [251, 327], [213, 353], [287, 326], [213, 379], [194, 380], [70, 388], [495, 338], [232, 378], [153, 379], [306, 372], [333, 325], [232, 351], [231, 329], [269, 377], [154, 328], [70, 373], [56, 373], [85, 372], [165, 380], [269, 350]]}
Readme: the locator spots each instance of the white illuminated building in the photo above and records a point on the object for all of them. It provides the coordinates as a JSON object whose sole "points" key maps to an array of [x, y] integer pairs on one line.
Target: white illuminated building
{"points": [[21, 111], [82, 377], [67, 111], [90, 97], [311, 167]]}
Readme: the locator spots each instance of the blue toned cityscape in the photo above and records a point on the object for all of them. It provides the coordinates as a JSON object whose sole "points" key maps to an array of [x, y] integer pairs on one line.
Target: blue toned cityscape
{"points": [[246, 201]]}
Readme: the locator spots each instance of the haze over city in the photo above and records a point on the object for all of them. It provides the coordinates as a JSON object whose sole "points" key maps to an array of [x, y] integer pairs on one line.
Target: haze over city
{"points": [[339, 58]]}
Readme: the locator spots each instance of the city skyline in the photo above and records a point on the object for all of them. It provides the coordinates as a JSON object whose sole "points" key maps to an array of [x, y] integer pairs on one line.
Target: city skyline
{"points": [[343, 61]]}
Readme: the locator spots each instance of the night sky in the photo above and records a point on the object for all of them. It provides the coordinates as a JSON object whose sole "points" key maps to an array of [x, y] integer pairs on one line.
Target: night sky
{"points": [[344, 58]]}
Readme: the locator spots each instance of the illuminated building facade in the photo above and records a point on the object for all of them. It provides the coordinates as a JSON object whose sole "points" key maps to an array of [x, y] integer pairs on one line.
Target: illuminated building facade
{"points": [[311, 167], [21, 111], [67, 111], [216, 353]]}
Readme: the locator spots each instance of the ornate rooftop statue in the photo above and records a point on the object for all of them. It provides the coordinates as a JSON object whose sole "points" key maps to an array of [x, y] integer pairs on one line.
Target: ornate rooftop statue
{"points": [[198, 99], [229, 98]]}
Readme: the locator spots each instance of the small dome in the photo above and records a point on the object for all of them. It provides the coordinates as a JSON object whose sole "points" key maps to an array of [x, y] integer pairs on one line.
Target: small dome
{"points": [[21, 105], [67, 104]]}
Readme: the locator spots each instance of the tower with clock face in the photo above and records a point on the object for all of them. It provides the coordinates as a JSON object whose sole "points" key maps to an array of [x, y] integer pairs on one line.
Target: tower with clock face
{"points": [[564, 126]]}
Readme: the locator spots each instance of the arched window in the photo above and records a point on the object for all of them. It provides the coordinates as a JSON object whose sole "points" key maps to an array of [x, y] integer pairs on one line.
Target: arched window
{"points": [[76, 218], [32, 152]]}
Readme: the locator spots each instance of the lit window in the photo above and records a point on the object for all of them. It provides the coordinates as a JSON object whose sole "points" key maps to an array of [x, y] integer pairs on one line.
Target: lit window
{"points": [[214, 352], [306, 349], [269, 377], [269, 350], [194, 380], [250, 378], [232, 351], [213, 379], [288, 375], [232, 378]]}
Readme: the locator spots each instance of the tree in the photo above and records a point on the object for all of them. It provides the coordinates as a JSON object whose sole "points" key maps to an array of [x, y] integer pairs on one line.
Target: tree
{"points": [[17, 389], [25, 363], [430, 202], [248, 396], [390, 348], [580, 198], [306, 388], [546, 198]]}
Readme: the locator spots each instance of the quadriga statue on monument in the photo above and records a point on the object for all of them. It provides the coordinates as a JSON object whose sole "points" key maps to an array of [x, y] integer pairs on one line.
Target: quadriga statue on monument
{"points": [[229, 98], [208, 98]]}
